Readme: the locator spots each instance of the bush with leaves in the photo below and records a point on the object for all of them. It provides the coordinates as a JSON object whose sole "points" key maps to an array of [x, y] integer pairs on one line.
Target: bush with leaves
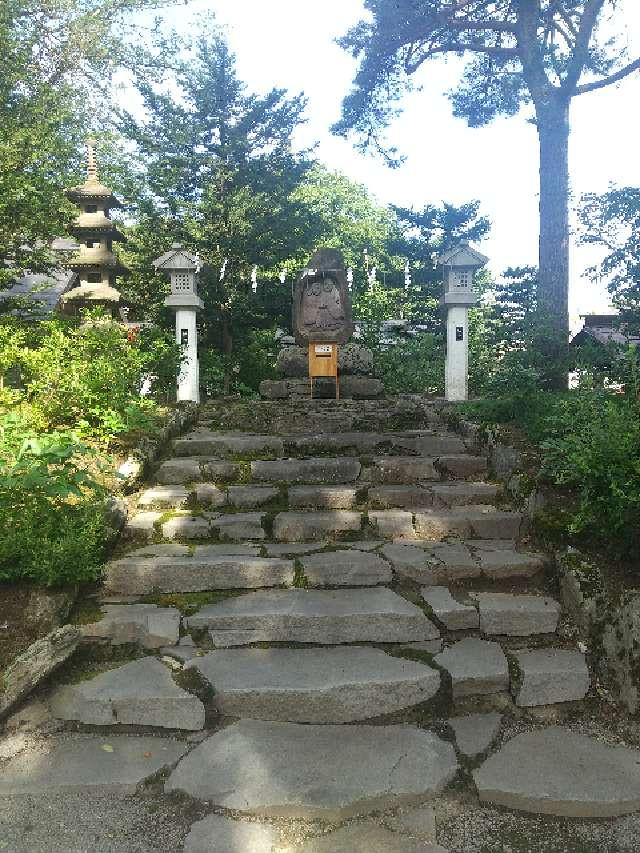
{"points": [[88, 377], [54, 529], [414, 366]]}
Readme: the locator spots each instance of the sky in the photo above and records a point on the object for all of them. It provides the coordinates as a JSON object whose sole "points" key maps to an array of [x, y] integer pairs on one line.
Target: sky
{"points": [[291, 44]]}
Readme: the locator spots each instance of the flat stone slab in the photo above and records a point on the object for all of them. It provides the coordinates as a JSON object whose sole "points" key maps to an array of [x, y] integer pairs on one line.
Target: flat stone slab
{"points": [[327, 772], [475, 732], [453, 615], [203, 442], [109, 764], [367, 838], [464, 493], [147, 624], [334, 685], [486, 522], [388, 497], [299, 526], [432, 647], [323, 497], [558, 772], [251, 497], [202, 570], [462, 466], [432, 563], [315, 616], [219, 834], [164, 497], [194, 470], [550, 675], [140, 693], [239, 526], [142, 525], [440, 524], [392, 523], [517, 615], [503, 563], [210, 495], [404, 469], [187, 527], [324, 470], [345, 568], [476, 667]]}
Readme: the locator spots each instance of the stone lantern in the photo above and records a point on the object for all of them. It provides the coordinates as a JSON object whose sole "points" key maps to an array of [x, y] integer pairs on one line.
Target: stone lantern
{"points": [[182, 267], [458, 266]]}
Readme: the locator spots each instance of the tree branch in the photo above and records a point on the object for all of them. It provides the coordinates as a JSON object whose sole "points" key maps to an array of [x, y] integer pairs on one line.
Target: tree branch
{"points": [[612, 78], [414, 60], [581, 47]]}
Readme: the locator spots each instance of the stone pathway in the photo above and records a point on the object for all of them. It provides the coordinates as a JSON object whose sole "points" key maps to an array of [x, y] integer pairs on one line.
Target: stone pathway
{"points": [[320, 616]]}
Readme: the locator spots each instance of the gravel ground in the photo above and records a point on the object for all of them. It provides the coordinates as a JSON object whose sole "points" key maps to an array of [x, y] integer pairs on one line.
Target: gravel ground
{"points": [[84, 823]]}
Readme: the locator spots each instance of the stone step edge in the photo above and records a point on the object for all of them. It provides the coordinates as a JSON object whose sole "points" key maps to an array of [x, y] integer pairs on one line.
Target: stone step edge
{"points": [[299, 526], [206, 495]]}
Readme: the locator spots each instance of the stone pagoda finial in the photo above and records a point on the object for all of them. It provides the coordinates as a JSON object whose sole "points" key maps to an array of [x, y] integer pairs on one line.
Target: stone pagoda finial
{"points": [[92, 162]]}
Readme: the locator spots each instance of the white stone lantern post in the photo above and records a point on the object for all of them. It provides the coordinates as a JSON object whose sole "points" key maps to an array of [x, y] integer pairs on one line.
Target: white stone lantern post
{"points": [[458, 266], [182, 267]]}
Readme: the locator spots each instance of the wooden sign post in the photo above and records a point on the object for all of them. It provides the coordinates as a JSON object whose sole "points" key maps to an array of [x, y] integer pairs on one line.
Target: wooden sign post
{"points": [[323, 361]]}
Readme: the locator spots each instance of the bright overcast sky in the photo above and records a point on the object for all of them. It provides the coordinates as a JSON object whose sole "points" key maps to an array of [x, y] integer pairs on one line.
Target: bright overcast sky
{"points": [[290, 44]]}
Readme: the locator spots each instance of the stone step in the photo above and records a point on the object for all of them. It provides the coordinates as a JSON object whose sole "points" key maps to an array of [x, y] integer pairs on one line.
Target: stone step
{"points": [[345, 568], [475, 733], [315, 616], [517, 615], [203, 442], [334, 685], [454, 615], [409, 497], [476, 667], [323, 497], [329, 772], [323, 470], [302, 526], [557, 771], [140, 693], [196, 469], [79, 763], [547, 676], [422, 442], [147, 625], [463, 492], [439, 563], [403, 469], [204, 567]]}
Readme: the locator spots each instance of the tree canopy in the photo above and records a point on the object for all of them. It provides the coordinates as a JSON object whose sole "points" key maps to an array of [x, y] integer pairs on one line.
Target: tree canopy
{"points": [[538, 52]]}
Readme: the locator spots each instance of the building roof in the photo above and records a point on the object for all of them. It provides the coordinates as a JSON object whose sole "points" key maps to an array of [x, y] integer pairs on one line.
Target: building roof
{"points": [[603, 329], [43, 289]]}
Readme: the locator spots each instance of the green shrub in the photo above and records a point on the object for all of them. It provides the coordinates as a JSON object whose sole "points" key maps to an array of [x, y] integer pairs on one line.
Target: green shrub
{"points": [[589, 444], [413, 366], [54, 530]]}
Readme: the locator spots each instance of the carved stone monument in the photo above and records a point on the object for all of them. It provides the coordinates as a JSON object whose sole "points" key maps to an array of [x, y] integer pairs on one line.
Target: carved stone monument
{"points": [[322, 315], [321, 301]]}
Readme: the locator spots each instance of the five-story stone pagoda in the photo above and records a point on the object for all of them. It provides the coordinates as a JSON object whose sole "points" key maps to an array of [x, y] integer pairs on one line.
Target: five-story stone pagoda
{"points": [[95, 262]]}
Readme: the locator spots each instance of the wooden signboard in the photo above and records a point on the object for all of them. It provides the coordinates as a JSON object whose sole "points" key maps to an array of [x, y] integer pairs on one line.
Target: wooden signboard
{"points": [[323, 362]]}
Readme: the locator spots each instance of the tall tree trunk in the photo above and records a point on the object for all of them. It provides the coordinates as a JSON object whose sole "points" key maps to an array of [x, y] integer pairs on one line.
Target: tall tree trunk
{"points": [[227, 349], [553, 285]]}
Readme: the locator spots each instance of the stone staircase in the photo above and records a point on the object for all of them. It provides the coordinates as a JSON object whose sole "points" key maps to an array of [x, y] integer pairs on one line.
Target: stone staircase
{"points": [[334, 563]]}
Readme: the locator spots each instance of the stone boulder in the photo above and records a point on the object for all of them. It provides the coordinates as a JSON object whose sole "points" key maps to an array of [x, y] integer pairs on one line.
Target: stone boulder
{"points": [[353, 360], [35, 664]]}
